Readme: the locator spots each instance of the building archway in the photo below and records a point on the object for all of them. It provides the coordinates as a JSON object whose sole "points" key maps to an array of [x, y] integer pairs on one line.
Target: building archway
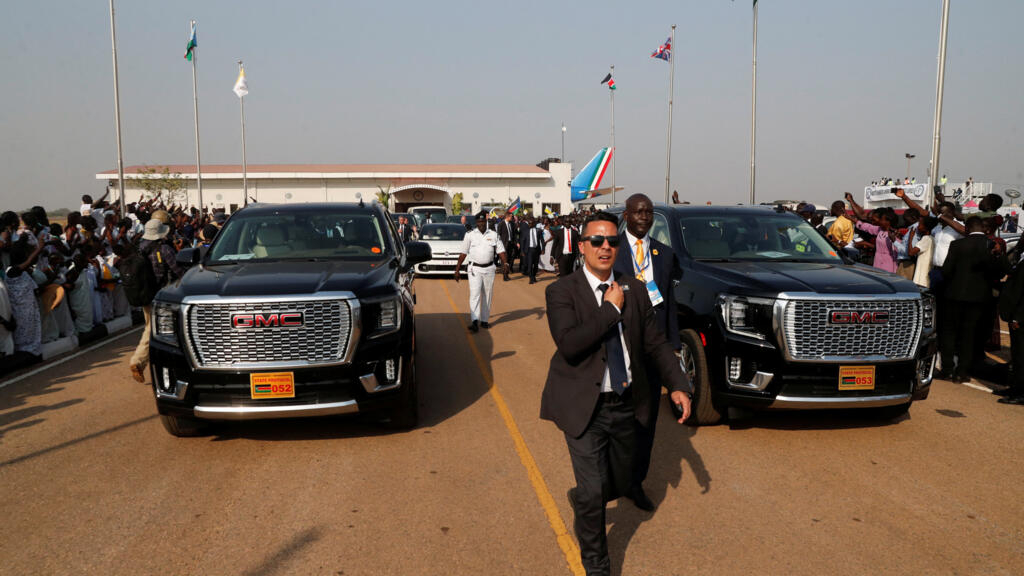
{"points": [[405, 197]]}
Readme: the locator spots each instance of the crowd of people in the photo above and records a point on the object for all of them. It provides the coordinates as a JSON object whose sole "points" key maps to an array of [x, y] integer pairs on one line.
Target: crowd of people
{"points": [[68, 280], [962, 260]]}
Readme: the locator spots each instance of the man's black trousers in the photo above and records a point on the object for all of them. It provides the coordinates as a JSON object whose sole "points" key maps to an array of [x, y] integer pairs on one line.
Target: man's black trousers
{"points": [[602, 465], [565, 263], [958, 335]]}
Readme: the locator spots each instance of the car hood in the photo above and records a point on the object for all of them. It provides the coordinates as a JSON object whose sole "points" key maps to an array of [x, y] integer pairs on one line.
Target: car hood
{"points": [[774, 277], [283, 278]]}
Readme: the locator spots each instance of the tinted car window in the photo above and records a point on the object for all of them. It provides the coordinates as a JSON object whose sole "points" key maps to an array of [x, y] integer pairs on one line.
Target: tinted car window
{"points": [[443, 232], [767, 236], [338, 234]]}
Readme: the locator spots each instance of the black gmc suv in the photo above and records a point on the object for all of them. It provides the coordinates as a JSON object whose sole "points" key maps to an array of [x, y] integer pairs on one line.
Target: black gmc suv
{"points": [[294, 310], [771, 316]]}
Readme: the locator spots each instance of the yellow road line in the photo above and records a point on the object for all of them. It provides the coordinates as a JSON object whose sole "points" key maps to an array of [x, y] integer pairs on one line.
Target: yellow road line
{"points": [[565, 540]]}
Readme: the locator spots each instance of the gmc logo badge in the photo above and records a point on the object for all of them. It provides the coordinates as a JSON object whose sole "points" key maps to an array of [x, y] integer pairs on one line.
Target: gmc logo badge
{"points": [[856, 317], [268, 320]]}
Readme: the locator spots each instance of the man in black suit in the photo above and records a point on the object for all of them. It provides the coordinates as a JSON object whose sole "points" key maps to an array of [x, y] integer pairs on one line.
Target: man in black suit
{"points": [[524, 240], [533, 245], [566, 247], [1011, 310], [605, 333], [969, 273], [508, 234], [653, 264], [404, 229]]}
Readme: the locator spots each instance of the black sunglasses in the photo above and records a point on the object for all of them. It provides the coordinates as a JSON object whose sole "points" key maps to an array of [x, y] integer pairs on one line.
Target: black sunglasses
{"points": [[597, 241]]}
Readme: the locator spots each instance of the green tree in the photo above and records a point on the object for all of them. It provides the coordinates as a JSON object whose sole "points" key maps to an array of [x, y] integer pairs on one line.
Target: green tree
{"points": [[457, 203], [384, 196], [156, 183]]}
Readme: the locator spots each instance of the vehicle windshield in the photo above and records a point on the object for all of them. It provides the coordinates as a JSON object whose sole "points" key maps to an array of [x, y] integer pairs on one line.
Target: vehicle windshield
{"points": [[755, 237], [337, 234], [429, 216], [443, 232]]}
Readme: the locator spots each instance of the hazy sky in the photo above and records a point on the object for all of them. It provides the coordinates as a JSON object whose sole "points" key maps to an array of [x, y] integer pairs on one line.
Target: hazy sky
{"points": [[844, 89]]}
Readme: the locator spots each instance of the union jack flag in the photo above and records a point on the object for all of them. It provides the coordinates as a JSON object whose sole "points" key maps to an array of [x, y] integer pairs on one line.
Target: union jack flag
{"points": [[664, 51]]}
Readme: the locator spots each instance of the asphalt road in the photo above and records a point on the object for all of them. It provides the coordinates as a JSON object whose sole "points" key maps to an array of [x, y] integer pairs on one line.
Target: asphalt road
{"points": [[91, 483]]}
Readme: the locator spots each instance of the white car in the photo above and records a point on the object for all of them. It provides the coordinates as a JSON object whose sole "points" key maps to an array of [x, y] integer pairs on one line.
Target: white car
{"points": [[445, 242]]}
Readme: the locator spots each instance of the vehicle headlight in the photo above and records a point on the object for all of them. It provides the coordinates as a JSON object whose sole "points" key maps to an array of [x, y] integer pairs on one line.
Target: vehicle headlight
{"points": [[747, 316], [382, 315], [928, 312], [165, 322]]}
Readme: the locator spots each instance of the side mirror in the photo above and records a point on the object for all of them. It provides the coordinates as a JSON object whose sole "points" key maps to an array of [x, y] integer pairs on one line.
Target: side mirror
{"points": [[187, 257], [417, 253]]}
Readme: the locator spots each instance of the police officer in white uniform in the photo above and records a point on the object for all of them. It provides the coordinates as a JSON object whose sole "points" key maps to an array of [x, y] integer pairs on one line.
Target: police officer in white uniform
{"points": [[480, 245]]}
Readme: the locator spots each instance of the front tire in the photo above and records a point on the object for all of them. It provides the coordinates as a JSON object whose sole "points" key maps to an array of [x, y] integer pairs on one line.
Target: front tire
{"points": [[695, 362]]}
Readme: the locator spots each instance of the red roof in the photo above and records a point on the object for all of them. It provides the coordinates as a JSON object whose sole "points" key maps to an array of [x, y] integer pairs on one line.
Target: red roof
{"points": [[338, 168]]}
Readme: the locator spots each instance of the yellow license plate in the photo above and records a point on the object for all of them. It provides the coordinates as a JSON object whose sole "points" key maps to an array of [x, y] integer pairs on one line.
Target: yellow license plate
{"points": [[272, 385], [856, 377]]}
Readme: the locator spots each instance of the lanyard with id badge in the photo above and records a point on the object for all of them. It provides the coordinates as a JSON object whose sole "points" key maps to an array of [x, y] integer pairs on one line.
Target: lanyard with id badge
{"points": [[640, 270]]}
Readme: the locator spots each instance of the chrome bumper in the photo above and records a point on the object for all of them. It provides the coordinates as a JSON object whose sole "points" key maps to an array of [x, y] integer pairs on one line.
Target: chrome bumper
{"points": [[814, 403], [262, 412]]}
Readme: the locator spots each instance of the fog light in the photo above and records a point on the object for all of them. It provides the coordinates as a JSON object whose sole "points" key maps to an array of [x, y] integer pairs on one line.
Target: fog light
{"points": [[390, 373], [166, 383], [925, 370], [735, 369]]}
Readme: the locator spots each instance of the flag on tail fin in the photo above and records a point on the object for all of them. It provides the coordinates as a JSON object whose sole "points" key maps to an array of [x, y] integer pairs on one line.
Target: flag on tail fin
{"points": [[664, 51], [609, 81], [587, 182], [192, 44]]}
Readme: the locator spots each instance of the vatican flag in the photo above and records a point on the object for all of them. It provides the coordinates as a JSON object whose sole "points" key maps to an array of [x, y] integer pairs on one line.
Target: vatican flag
{"points": [[241, 87]]}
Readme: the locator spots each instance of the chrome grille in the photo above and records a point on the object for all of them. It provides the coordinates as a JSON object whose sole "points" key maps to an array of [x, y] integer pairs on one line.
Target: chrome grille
{"points": [[323, 338], [809, 335]]}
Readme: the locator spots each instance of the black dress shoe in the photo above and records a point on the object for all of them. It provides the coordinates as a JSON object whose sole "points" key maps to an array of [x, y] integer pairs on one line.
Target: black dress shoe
{"points": [[958, 379], [1005, 392], [640, 500], [1017, 400], [474, 327], [942, 375], [486, 325]]}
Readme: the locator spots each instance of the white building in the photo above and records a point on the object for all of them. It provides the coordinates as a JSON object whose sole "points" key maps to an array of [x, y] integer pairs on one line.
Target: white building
{"points": [[481, 186]]}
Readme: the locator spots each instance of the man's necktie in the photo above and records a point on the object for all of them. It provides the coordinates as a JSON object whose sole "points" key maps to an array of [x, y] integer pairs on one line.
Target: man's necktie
{"points": [[640, 260], [616, 356]]}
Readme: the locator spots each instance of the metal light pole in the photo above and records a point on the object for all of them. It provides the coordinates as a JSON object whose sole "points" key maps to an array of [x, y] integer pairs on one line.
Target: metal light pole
{"points": [[117, 115], [563, 142], [909, 157], [753, 112], [933, 168]]}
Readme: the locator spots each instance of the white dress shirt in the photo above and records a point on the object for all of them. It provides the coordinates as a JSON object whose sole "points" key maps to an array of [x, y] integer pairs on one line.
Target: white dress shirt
{"points": [[595, 282], [648, 265]]}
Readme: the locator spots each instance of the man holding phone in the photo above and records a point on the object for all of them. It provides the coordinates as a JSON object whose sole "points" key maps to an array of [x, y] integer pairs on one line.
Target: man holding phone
{"points": [[605, 335]]}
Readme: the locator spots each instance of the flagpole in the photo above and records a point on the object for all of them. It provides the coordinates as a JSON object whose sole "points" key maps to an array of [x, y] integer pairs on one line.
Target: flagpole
{"points": [[671, 88], [933, 171], [753, 112], [117, 115], [245, 184], [195, 105], [612, 93]]}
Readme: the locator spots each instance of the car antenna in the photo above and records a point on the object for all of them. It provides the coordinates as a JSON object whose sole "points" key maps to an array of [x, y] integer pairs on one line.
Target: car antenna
{"points": [[361, 205]]}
